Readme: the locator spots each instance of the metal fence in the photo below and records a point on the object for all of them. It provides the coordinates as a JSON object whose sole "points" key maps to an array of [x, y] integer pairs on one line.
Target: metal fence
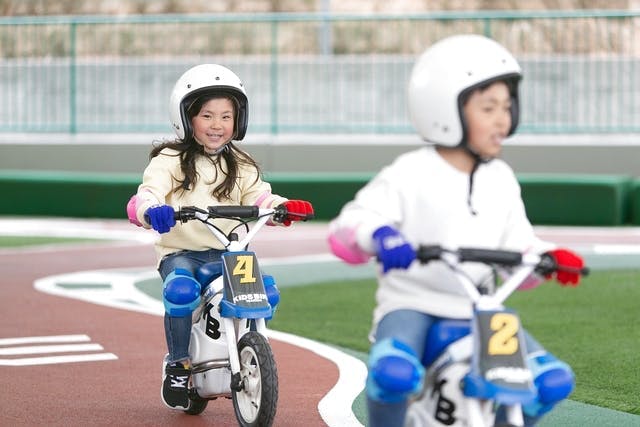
{"points": [[311, 73]]}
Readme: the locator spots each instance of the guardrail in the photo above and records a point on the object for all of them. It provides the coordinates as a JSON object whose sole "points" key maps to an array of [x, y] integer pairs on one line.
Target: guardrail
{"points": [[309, 72]]}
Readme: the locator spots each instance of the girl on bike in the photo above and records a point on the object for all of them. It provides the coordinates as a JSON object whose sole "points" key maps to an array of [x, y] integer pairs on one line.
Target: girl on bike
{"points": [[202, 167]]}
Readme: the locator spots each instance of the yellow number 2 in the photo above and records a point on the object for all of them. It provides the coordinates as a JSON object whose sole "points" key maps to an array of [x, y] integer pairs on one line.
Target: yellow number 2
{"points": [[244, 268], [504, 340]]}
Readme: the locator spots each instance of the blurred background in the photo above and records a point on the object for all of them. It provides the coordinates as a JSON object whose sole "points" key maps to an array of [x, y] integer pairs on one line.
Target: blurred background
{"points": [[84, 85]]}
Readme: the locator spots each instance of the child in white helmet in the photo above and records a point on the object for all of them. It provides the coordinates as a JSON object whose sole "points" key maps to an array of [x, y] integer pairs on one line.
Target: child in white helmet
{"points": [[202, 167], [463, 101]]}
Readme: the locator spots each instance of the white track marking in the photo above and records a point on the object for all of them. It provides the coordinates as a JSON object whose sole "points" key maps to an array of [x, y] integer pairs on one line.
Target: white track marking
{"points": [[44, 339], [89, 229], [616, 249], [44, 349], [49, 360], [335, 407], [113, 288], [16, 347], [351, 381]]}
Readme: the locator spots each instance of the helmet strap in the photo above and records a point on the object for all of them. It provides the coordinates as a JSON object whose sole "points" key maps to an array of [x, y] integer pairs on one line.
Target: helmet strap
{"points": [[225, 147], [476, 164], [477, 161]]}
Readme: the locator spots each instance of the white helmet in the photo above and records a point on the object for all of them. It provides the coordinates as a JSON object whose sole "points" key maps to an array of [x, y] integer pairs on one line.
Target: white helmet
{"points": [[445, 73], [207, 79]]}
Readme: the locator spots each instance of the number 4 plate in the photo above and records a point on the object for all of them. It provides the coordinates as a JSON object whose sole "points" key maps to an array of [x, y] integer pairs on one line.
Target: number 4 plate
{"points": [[243, 286]]}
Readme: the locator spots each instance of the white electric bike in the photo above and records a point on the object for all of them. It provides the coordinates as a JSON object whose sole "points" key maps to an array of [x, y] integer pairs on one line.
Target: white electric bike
{"points": [[474, 366], [229, 351]]}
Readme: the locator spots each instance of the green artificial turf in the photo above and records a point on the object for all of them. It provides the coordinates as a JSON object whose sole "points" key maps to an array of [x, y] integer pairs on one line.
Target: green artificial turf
{"points": [[21, 241], [593, 327], [335, 313]]}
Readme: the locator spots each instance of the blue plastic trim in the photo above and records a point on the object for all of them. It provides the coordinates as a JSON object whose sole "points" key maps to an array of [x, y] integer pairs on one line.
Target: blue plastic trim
{"points": [[228, 309], [441, 334], [476, 386]]}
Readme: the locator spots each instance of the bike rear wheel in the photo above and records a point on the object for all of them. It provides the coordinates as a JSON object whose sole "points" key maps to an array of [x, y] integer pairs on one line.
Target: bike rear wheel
{"points": [[255, 404]]}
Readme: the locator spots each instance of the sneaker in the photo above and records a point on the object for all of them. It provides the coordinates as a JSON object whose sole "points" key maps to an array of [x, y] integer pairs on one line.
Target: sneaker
{"points": [[175, 385]]}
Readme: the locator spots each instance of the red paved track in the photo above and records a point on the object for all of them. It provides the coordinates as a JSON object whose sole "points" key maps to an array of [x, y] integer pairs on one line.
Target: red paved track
{"points": [[125, 391]]}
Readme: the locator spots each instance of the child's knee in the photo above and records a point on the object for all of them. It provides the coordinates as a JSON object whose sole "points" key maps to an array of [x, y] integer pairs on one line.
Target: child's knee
{"points": [[181, 293], [554, 380], [395, 372]]}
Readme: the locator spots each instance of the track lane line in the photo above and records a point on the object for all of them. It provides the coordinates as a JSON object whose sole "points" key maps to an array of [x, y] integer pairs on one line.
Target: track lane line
{"points": [[335, 407]]}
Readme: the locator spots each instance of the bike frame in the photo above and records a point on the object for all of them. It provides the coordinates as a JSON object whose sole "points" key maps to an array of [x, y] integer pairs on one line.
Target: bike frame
{"points": [[234, 333], [464, 345], [229, 349]]}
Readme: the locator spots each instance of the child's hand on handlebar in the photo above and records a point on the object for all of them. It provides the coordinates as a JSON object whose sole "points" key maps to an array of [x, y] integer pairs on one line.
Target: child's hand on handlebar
{"points": [[569, 266], [296, 210], [161, 218], [392, 249]]}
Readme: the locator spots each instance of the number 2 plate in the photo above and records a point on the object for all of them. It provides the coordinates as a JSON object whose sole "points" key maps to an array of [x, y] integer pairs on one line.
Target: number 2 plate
{"points": [[501, 356]]}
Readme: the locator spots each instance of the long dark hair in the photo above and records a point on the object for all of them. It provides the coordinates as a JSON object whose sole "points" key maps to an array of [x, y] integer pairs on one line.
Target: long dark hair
{"points": [[189, 150]]}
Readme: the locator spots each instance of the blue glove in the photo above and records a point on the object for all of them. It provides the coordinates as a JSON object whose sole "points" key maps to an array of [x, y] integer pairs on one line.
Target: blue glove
{"points": [[161, 218], [392, 249]]}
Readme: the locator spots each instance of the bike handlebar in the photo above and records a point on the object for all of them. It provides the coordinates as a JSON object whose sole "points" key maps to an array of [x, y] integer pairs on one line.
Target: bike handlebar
{"points": [[235, 211], [279, 213], [427, 253], [187, 213]]}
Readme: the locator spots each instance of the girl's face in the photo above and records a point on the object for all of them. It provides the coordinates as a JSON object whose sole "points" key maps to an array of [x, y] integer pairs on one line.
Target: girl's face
{"points": [[488, 117], [213, 125]]}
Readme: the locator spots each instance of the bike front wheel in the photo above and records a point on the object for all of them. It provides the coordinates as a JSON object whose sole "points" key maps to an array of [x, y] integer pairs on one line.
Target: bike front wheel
{"points": [[255, 404]]}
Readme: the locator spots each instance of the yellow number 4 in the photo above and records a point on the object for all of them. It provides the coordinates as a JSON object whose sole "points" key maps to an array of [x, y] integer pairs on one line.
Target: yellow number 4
{"points": [[244, 268], [504, 340]]}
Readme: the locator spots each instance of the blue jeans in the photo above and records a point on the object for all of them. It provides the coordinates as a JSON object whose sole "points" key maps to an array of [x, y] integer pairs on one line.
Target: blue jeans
{"points": [[411, 328], [178, 329]]}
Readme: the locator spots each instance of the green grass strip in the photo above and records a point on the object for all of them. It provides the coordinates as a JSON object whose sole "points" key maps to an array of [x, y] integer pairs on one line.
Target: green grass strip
{"points": [[592, 327], [24, 241]]}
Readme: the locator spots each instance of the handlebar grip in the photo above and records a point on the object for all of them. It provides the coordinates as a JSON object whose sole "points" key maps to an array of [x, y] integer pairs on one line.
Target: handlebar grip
{"points": [[490, 256], [235, 211], [548, 265], [426, 253], [584, 271], [185, 214]]}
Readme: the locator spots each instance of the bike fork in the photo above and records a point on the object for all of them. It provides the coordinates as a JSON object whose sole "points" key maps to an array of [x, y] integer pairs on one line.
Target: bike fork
{"points": [[234, 360], [514, 415], [476, 414]]}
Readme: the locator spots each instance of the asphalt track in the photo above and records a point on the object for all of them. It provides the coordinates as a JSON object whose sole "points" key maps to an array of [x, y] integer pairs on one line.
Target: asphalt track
{"points": [[64, 361]]}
